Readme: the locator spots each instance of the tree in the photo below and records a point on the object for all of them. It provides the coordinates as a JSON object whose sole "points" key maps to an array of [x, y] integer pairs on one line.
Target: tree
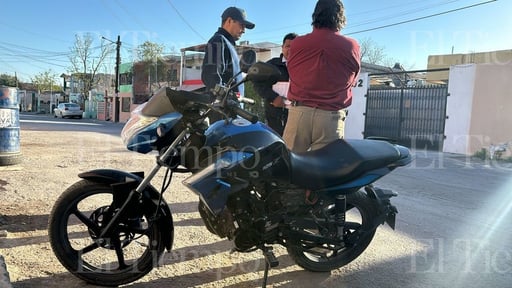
{"points": [[258, 107], [151, 54], [154, 65], [149, 51], [87, 60], [373, 53], [7, 80], [45, 81]]}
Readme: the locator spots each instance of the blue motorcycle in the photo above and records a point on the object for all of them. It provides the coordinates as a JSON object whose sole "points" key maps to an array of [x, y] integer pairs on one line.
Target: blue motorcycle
{"points": [[321, 205]]}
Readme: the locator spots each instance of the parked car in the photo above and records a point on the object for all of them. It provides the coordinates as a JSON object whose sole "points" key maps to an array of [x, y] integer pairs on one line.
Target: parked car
{"points": [[64, 110]]}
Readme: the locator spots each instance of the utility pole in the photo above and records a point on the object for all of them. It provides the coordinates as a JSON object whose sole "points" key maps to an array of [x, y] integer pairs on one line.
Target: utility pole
{"points": [[118, 63]]}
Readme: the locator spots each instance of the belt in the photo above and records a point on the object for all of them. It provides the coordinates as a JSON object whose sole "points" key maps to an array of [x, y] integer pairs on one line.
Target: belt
{"points": [[300, 103], [297, 103]]}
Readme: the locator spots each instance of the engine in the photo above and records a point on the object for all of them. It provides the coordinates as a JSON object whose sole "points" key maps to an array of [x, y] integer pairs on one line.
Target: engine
{"points": [[251, 218]]}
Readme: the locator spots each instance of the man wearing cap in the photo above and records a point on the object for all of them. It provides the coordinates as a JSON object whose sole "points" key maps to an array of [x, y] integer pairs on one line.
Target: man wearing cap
{"points": [[221, 60]]}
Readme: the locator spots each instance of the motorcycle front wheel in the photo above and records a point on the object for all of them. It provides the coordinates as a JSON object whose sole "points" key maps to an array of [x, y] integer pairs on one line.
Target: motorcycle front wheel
{"points": [[74, 229], [361, 212]]}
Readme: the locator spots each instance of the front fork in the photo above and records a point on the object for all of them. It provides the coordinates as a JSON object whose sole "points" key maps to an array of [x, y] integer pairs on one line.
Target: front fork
{"points": [[127, 205], [136, 194]]}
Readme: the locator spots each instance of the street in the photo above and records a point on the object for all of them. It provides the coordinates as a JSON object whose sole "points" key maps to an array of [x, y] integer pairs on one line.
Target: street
{"points": [[38, 122], [453, 226]]}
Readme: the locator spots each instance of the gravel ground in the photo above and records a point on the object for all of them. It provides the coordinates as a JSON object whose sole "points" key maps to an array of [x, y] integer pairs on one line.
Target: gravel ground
{"points": [[198, 259], [51, 161]]}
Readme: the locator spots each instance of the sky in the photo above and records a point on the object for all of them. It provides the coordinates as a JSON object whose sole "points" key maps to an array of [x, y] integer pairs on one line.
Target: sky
{"points": [[37, 36]]}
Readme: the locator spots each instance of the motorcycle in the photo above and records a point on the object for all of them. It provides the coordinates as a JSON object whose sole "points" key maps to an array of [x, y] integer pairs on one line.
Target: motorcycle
{"points": [[321, 205]]}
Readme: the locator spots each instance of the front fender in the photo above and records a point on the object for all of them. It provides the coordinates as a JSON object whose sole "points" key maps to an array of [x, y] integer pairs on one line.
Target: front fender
{"points": [[111, 176]]}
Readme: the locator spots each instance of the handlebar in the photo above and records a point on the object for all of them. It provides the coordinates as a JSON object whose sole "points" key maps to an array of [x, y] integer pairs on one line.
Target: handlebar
{"points": [[246, 114], [246, 100], [227, 103]]}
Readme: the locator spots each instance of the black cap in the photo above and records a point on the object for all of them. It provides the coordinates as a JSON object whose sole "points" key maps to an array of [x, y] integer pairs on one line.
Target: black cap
{"points": [[237, 14]]}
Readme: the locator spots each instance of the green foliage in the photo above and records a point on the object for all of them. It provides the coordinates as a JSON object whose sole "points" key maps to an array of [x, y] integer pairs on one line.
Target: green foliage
{"points": [[46, 81], [149, 51], [499, 157], [482, 154], [7, 80], [156, 68], [258, 107]]}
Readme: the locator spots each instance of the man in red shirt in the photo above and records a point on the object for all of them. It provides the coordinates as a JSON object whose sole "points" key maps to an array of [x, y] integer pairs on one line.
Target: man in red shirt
{"points": [[323, 66]]}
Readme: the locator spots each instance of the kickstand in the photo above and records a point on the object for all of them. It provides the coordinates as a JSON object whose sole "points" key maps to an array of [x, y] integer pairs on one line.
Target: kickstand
{"points": [[270, 262], [265, 275]]}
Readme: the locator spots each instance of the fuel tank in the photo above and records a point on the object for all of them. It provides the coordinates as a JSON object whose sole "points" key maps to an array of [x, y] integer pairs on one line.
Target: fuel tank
{"points": [[247, 154], [241, 134]]}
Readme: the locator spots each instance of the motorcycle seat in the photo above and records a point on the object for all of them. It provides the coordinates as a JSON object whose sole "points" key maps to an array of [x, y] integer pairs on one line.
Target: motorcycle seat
{"points": [[342, 161]]}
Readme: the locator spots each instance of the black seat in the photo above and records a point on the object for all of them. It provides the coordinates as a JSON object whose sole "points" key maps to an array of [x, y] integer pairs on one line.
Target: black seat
{"points": [[340, 162]]}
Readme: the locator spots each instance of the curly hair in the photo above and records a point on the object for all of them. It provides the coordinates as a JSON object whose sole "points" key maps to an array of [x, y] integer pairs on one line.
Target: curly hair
{"points": [[329, 14]]}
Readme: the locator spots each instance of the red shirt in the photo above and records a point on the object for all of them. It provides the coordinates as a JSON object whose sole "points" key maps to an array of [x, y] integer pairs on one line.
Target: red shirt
{"points": [[323, 65]]}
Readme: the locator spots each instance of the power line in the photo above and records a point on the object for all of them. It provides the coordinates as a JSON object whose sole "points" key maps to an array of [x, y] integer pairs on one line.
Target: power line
{"points": [[47, 37], [185, 21], [361, 23], [33, 58], [398, 14], [36, 55], [113, 13], [392, 7], [32, 49], [133, 17], [402, 13], [420, 18]]}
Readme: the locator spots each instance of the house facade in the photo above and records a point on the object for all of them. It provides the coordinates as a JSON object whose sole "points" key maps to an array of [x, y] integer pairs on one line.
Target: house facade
{"points": [[446, 61], [479, 108]]}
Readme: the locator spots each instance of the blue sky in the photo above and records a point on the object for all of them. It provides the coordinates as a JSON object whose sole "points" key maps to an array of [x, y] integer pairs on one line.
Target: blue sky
{"points": [[37, 35]]}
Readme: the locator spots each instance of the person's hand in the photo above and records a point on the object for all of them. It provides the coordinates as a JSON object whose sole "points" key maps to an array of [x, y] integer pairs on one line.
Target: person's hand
{"points": [[278, 101]]}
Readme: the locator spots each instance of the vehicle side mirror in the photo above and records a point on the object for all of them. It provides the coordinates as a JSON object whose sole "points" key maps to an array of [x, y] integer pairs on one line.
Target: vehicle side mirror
{"points": [[262, 71], [247, 60]]}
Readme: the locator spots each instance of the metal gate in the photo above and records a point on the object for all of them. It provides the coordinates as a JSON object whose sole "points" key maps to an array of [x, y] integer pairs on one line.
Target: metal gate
{"points": [[411, 116]]}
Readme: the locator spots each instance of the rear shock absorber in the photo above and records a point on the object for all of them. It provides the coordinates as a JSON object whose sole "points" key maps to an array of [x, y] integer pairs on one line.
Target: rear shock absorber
{"points": [[340, 208]]}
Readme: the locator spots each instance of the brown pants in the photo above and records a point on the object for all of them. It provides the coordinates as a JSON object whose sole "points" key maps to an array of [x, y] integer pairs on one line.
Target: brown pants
{"points": [[312, 128]]}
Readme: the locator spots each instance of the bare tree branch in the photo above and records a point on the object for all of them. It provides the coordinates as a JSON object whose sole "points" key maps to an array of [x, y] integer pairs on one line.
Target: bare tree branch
{"points": [[86, 60], [371, 52]]}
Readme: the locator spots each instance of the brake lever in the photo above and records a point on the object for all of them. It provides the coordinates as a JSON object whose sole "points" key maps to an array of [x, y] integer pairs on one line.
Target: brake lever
{"points": [[217, 107]]}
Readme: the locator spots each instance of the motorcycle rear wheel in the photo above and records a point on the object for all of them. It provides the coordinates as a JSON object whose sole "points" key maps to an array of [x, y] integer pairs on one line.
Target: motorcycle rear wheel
{"points": [[360, 215], [127, 256]]}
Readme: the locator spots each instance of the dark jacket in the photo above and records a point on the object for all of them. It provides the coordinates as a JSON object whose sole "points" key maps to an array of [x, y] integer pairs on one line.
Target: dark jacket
{"points": [[217, 65], [264, 89], [276, 116]]}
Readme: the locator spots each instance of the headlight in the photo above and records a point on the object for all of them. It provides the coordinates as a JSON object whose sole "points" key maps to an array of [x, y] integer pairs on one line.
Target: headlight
{"points": [[136, 123]]}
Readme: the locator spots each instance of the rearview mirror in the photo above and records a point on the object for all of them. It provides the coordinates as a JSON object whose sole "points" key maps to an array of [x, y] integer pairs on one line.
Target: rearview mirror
{"points": [[247, 60], [262, 71]]}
